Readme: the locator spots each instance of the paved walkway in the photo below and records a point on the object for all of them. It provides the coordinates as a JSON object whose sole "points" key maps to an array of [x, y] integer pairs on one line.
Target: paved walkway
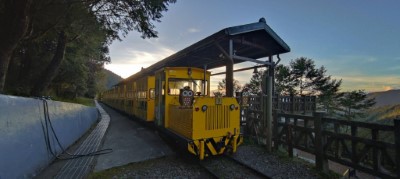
{"points": [[81, 167], [130, 142]]}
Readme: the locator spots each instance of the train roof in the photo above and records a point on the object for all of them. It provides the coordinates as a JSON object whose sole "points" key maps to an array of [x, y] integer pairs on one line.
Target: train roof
{"points": [[253, 41]]}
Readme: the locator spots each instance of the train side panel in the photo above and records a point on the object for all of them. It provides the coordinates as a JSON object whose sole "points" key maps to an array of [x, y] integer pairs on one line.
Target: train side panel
{"points": [[150, 98]]}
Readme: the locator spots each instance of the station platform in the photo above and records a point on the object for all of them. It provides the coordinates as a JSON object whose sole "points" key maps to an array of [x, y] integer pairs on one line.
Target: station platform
{"points": [[128, 140]]}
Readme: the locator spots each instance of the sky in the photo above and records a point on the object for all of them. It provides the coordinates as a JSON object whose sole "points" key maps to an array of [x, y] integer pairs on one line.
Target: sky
{"points": [[356, 41]]}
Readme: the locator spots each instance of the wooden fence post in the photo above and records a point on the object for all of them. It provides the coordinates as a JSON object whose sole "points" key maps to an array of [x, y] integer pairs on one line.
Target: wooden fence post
{"points": [[289, 140], [314, 101], [275, 130], [303, 97], [375, 152], [292, 103], [354, 131], [320, 161], [397, 144]]}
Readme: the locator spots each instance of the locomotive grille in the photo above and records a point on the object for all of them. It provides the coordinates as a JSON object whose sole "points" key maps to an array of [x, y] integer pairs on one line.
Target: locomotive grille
{"points": [[217, 117]]}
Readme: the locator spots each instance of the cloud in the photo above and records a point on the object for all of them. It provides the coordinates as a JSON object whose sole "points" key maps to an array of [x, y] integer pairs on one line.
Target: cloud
{"points": [[243, 77], [193, 30], [148, 58], [355, 58], [369, 83], [387, 88], [394, 68], [131, 61]]}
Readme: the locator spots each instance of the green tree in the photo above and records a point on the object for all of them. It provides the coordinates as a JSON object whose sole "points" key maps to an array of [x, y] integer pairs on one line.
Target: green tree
{"points": [[236, 85], [125, 16], [327, 90], [354, 104], [14, 20], [298, 78], [254, 86], [303, 74], [26, 20], [284, 83], [73, 27]]}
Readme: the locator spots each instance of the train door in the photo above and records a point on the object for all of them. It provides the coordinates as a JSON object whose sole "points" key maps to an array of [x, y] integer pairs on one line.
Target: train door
{"points": [[160, 98]]}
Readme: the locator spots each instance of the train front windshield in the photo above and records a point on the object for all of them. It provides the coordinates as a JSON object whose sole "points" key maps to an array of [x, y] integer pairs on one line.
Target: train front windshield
{"points": [[199, 87]]}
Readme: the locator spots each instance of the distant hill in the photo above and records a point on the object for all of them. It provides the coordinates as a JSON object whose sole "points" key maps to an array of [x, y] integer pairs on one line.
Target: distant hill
{"points": [[383, 114], [387, 107], [111, 78], [383, 98]]}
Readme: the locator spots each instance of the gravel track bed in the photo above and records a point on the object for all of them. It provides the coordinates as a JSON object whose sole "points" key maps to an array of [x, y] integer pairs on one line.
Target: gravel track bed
{"points": [[223, 167], [272, 165], [165, 167], [177, 166]]}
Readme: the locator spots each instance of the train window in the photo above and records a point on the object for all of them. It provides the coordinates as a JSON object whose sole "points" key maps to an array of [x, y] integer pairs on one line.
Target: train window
{"points": [[141, 94], [175, 84], [152, 93]]}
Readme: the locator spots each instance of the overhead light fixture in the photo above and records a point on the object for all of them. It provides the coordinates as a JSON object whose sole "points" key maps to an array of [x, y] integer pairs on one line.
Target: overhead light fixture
{"points": [[255, 70]]}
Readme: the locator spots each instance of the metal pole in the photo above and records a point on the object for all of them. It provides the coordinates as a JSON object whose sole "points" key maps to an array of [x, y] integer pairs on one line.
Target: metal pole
{"points": [[204, 82], [269, 106], [229, 71], [269, 114]]}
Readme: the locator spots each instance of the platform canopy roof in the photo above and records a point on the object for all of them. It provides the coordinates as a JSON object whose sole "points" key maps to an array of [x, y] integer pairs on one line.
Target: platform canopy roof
{"points": [[253, 41]]}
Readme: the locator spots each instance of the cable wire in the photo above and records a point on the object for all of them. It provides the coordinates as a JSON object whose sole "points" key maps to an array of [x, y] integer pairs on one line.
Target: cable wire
{"points": [[48, 127]]}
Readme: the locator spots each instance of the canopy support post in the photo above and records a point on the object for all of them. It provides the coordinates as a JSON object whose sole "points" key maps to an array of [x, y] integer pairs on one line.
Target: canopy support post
{"points": [[228, 68], [268, 112], [229, 71]]}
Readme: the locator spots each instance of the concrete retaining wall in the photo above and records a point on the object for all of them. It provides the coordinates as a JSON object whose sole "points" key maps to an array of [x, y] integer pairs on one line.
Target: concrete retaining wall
{"points": [[23, 150]]}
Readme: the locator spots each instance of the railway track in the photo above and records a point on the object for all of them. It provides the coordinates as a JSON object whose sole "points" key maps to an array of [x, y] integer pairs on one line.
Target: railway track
{"points": [[228, 167]]}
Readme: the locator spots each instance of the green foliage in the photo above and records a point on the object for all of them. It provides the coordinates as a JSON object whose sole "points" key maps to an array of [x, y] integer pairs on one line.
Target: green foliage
{"points": [[383, 114], [353, 104], [303, 74], [79, 100], [111, 78], [328, 90], [125, 16], [301, 77], [73, 67], [284, 83], [254, 86], [236, 85]]}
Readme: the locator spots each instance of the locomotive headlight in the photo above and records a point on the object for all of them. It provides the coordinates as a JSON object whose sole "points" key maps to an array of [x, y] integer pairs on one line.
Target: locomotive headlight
{"points": [[232, 107], [204, 108]]}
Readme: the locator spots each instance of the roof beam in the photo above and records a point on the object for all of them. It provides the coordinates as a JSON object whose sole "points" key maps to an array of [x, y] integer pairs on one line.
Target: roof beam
{"points": [[250, 60], [241, 69], [248, 43]]}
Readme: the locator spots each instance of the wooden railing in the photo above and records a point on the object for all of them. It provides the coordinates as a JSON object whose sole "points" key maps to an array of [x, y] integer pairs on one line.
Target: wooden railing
{"points": [[253, 107], [371, 148]]}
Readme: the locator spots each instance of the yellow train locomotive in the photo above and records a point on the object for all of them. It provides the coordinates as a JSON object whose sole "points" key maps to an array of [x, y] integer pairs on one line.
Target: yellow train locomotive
{"points": [[184, 106], [174, 93], [180, 99]]}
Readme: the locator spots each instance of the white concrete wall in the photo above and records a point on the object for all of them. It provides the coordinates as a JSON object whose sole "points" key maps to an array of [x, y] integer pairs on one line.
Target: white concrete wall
{"points": [[23, 151]]}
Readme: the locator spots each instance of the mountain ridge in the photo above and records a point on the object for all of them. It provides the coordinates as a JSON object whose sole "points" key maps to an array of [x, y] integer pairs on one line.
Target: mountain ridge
{"points": [[111, 78], [384, 98]]}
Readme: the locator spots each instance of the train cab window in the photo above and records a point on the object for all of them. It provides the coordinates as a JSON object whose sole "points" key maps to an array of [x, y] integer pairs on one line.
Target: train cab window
{"points": [[175, 84]]}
